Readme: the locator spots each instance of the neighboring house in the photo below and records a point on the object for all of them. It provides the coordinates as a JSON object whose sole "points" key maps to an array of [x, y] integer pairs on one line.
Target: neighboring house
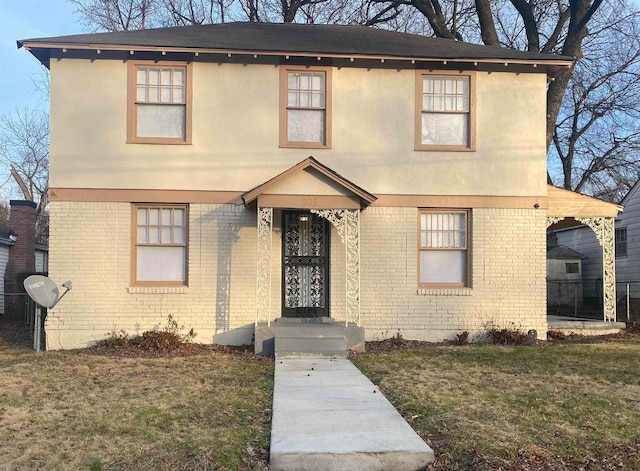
{"points": [[564, 277], [19, 252], [230, 175], [7, 239], [41, 257], [627, 248]]}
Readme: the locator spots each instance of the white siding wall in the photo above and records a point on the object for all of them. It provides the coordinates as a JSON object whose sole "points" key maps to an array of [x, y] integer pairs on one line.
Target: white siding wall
{"points": [[584, 240], [628, 268], [4, 259]]}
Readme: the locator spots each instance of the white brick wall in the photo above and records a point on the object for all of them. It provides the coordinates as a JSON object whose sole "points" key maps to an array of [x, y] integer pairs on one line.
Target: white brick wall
{"points": [[91, 245], [508, 276]]}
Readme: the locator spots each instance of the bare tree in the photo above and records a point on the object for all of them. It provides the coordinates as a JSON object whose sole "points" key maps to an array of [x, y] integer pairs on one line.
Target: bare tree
{"points": [[193, 12], [24, 148], [118, 15], [596, 141]]}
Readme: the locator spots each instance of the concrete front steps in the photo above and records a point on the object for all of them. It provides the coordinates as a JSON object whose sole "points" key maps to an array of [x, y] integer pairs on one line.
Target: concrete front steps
{"points": [[317, 337], [309, 338], [327, 416]]}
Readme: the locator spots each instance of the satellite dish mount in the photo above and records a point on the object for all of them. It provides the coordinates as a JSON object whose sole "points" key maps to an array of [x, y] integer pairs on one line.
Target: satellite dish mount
{"points": [[44, 293]]}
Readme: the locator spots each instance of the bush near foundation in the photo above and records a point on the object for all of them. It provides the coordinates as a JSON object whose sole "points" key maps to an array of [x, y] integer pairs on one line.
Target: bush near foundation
{"points": [[167, 339], [509, 335]]}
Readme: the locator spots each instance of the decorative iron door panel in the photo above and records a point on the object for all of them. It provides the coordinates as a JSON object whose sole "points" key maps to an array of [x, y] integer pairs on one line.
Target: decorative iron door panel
{"points": [[305, 265]]}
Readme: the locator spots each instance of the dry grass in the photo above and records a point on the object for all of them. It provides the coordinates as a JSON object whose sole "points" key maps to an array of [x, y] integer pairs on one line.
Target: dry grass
{"points": [[75, 410], [556, 407], [519, 408]]}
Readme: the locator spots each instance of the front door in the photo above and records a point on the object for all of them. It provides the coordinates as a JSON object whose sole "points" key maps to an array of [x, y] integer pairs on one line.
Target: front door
{"points": [[305, 265]]}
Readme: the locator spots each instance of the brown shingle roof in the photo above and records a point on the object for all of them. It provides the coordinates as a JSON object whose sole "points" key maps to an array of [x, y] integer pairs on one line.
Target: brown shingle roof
{"points": [[296, 39]]}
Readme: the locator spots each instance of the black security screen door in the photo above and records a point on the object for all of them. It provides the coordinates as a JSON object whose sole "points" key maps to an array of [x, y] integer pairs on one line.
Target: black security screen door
{"points": [[305, 265]]}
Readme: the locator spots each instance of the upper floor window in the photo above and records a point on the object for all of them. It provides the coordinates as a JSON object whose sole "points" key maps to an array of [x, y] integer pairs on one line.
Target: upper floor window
{"points": [[305, 107], [444, 111], [160, 248], [443, 248], [572, 268], [621, 242], [159, 99]]}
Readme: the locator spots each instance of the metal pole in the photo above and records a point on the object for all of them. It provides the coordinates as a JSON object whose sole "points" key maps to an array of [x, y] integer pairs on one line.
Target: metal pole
{"points": [[628, 301], [575, 299], [36, 329]]}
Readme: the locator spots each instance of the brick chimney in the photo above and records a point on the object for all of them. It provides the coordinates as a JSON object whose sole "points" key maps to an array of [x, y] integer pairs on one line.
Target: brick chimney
{"points": [[22, 220]]}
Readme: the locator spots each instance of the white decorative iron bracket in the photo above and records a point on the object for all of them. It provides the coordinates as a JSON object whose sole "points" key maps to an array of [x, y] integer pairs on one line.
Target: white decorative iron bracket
{"points": [[263, 285], [605, 232], [347, 224], [553, 220]]}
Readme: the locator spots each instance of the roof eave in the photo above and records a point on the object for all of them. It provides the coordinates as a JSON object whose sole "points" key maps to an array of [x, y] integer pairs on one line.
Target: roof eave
{"points": [[552, 67]]}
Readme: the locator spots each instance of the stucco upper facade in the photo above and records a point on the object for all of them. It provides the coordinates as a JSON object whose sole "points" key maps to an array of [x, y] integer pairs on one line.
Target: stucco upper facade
{"points": [[235, 133]]}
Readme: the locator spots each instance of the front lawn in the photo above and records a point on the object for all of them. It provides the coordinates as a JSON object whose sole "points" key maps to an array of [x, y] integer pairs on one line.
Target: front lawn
{"points": [[74, 410], [550, 407], [555, 407]]}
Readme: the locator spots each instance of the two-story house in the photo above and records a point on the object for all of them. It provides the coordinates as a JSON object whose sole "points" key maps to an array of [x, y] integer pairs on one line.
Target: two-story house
{"points": [[231, 175]]}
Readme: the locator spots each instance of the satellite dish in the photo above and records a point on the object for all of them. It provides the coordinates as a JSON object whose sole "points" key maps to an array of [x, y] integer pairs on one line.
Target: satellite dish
{"points": [[42, 290]]}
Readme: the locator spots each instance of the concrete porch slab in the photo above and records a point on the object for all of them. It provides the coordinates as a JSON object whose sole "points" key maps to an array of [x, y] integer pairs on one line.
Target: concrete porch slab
{"points": [[587, 327], [328, 416]]}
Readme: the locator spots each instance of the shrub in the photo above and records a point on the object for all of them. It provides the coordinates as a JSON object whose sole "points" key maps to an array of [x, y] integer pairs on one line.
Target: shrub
{"points": [[114, 339], [462, 338], [509, 336], [556, 335], [165, 340]]}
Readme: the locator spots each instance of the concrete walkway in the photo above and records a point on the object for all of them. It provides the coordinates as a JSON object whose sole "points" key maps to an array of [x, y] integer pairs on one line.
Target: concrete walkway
{"points": [[328, 416]]}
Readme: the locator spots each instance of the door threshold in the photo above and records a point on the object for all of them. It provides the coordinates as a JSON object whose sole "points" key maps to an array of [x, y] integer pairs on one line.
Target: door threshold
{"points": [[305, 319]]}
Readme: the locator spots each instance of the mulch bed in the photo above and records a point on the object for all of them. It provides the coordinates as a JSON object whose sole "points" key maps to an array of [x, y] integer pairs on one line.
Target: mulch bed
{"points": [[17, 334], [184, 350]]}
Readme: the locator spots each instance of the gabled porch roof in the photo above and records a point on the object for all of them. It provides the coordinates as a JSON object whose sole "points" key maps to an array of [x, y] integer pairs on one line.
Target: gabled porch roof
{"points": [[567, 209], [569, 204], [311, 185]]}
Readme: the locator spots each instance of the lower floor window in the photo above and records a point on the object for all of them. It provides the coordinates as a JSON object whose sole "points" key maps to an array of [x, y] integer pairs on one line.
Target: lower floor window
{"points": [[160, 244], [443, 248]]}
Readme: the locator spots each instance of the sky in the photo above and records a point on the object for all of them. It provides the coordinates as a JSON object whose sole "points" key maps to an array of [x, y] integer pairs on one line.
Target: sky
{"points": [[25, 19]]}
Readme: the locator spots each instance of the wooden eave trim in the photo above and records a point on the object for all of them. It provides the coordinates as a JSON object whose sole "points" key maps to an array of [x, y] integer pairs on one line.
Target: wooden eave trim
{"points": [[308, 201], [117, 195], [461, 201], [565, 203], [137, 48], [125, 195], [253, 194]]}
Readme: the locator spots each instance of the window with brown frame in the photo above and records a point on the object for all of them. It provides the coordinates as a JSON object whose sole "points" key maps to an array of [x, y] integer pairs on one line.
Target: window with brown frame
{"points": [[445, 114], [159, 96], [443, 242], [159, 245], [305, 107]]}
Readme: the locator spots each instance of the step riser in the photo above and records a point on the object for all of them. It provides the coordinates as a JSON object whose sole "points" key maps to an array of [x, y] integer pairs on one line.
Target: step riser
{"points": [[295, 347], [266, 336], [309, 340]]}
